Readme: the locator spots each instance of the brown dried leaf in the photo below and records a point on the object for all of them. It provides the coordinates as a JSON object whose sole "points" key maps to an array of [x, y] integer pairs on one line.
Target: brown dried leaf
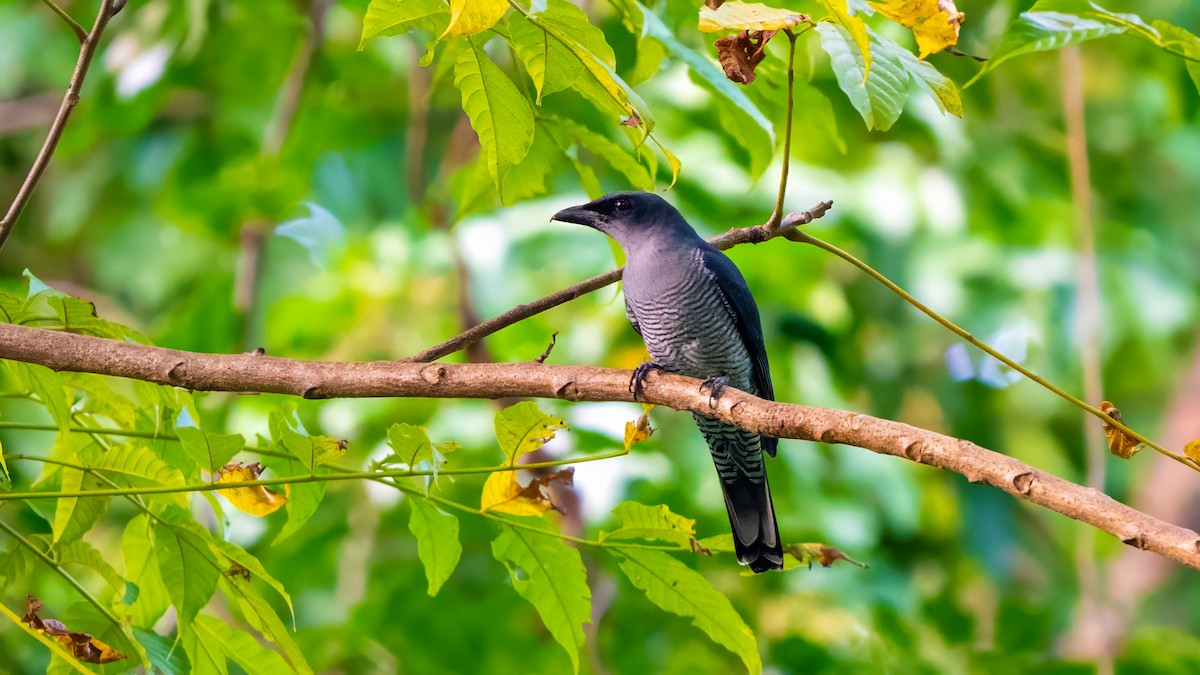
{"points": [[934, 23], [238, 571], [256, 500], [82, 646], [640, 430], [740, 54], [713, 4], [1120, 443], [825, 556]]}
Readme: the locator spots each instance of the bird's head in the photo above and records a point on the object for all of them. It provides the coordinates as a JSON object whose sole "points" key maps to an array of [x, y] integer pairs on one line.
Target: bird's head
{"points": [[629, 217]]}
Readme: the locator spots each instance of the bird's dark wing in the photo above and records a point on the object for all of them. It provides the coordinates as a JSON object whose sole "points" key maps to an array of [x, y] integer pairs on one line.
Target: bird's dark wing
{"points": [[745, 316]]}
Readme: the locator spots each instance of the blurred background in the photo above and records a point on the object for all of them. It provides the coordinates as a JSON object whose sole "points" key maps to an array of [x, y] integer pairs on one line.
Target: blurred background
{"points": [[239, 175]]}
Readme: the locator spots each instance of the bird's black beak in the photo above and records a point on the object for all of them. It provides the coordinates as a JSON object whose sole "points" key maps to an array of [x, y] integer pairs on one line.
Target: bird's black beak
{"points": [[580, 215]]}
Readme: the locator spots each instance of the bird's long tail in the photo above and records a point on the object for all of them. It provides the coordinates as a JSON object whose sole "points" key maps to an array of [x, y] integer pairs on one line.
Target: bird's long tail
{"points": [[738, 457]]}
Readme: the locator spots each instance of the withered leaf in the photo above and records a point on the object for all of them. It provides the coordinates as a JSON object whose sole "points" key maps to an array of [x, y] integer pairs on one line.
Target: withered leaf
{"points": [[713, 4], [640, 430], [934, 23], [82, 646], [1120, 443], [632, 121], [825, 556], [740, 54], [747, 16], [256, 500], [503, 494]]}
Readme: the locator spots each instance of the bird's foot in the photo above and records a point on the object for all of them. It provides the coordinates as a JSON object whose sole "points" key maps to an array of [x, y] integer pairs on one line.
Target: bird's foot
{"points": [[716, 387], [638, 381]]}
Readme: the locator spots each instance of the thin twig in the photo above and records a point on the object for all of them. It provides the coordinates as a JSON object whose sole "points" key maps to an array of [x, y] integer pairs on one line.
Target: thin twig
{"points": [[71, 23], [318, 379], [803, 237], [777, 214], [549, 348], [86, 53], [742, 235]]}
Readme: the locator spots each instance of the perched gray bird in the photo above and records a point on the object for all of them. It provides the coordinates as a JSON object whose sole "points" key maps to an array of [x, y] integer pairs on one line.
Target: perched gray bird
{"points": [[692, 308]]}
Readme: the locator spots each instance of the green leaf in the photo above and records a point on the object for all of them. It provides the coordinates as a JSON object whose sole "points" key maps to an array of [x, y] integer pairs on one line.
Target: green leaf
{"points": [[210, 642], [1047, 26], [880, 97], [141, 568], [550, 64], [498, 112], [64, 511], [923, 74], [1181, 43], [312, 451], [437, 541], [136, 465], [552, 577], [303, 499], [234, 553], [49, 388], [639, 521], [15, 562], [80, 552], [522, 428], [189, 570], [753, 130], [162, 653], [681, 590], [617, 157], [722, 543], [854, 28], [209, 451], [385, 18], [259, 614]]}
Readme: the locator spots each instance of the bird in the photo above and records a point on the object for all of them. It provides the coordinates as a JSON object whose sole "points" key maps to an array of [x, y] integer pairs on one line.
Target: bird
{"points": [[697, 317]]}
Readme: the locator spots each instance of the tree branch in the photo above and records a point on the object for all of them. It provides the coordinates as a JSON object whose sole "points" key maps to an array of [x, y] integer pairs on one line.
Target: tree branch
{"points": [[324, 379], [738, 235], [86, 53]]}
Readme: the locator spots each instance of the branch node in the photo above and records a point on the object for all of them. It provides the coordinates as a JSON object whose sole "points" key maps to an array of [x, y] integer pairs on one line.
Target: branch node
{"points": [[1139, 542], [568, 391], [1024, 482], [175, 377], [433, 374], [313, 391], [915, 451]]}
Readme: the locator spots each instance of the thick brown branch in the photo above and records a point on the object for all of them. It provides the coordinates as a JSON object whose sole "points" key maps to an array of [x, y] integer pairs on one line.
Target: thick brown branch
{"points": [[738, 235], [86, 53], [323, 379]]}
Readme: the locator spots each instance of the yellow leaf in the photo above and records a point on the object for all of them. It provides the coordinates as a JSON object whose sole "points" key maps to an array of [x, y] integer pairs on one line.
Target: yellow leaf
{"points": [[748, 16], [1120, 443], [468, 17], [856, 28], [934, 23], [256, 500], [640, 430], [1192, 450]]}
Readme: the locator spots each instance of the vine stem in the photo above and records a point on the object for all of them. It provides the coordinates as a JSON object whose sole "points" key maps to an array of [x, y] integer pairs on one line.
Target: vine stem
{"points": [[285, 480], [804, 237]]}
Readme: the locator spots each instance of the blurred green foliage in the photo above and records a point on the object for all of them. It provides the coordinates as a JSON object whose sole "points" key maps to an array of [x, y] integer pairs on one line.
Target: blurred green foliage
{"points": [[162, 205]]}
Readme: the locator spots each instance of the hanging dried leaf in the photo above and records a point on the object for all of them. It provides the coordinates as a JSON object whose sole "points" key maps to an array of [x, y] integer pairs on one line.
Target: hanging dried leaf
{"points": [[639, 430], [747, 16], [934, 23], [503, 494], [82, 646], [256, 500], [1120, 443], [740, 54]]}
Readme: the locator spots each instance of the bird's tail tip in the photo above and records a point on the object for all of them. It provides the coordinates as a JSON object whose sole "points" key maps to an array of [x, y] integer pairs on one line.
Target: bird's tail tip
{"points": [[760, 557]]}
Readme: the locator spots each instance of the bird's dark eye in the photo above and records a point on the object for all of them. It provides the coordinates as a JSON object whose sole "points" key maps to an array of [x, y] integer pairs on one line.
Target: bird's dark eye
{"points": [[621, 204]]}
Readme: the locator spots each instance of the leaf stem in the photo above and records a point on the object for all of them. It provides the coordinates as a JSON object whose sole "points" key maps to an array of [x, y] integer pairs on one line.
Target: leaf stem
{"points": [[74, 25], [804, 237]]}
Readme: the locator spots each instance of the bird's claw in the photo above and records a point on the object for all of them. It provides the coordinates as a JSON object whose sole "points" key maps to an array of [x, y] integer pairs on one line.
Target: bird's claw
{"points": [[638, 381], [716, 386]]}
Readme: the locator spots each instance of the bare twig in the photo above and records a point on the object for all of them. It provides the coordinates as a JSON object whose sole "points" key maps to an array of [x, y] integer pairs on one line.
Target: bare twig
{"points": [[777, 214], [549, 348], [323, 379], [86, 53], [71, 23], [292, 90], [743, 235]]}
